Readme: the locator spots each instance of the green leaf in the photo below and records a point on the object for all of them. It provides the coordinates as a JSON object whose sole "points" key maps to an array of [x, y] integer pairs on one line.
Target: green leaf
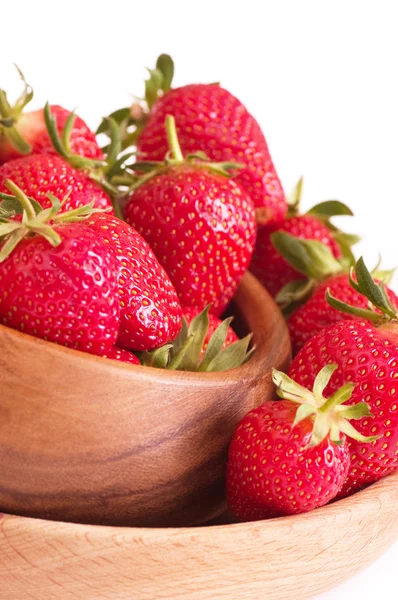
{"points": [[330, 208], [165, 65], [309, 257], [304, 411], [288, 389], [119, 116], [355, 412], [232, 356], [215, 344], [51, 125], [152, 86], [298, 291], [375, 293], [322, 380], [362, 313], [294, 198]]}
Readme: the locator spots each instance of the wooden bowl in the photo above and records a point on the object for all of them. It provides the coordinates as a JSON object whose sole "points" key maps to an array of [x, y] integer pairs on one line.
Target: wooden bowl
{"points": [[90, 440], [291, 558]]}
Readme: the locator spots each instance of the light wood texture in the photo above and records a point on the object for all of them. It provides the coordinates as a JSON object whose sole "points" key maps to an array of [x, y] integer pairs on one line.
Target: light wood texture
{"points": [[291, 558], [95, 441]]}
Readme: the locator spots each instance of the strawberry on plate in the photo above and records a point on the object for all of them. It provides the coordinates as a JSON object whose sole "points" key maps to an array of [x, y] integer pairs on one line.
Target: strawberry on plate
{"points": [[292, 456], [199, 223], [208, 119], [317, 313], [366, 351], [57, 283], [24, 132]]}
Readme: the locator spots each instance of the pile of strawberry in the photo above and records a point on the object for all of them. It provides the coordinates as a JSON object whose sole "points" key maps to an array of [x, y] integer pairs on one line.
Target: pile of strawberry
{"points": [[133, 250]]}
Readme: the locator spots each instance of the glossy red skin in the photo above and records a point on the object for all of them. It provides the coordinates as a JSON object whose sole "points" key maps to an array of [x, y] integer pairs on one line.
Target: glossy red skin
{"points": [[66, 294], [150, 313], [40, 174], [32, 127], [190, 312], [270, 267], [210, 119], [368, 357], [271, 473], [316, 313], [201, 227], [121, 355]]}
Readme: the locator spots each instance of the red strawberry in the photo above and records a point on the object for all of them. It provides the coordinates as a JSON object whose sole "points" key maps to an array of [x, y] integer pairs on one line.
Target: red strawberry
{"points": [[200, 225], [25, 132], [150, 313], [58, 283], [269, 265], [317, 313], [190, 312], [289, 268], [289, 456], [121, 355], [209, 119], [40, 174], [366, 352]]}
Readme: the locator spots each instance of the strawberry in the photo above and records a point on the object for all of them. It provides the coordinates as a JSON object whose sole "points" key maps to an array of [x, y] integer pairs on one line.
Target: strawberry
{"points": [[41, 174], [59, 283], [25, 132], [200, 225], [150, 313], [291, 456], [190, 312], [317, 313], [121, 355], [366, 352], [288, 268], [208, 119]]}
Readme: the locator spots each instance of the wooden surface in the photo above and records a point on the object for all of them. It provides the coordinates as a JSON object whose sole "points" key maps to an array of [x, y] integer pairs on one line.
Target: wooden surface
{"points": [[291, 558], [95, 441]]}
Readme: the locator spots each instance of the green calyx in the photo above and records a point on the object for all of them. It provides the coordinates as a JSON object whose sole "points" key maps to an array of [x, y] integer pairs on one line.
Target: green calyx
{"points": [[35, 219], [9, 115], [363, 282], [330, 416], [140, 172], [312, 259], [185, 353], [132, 119], [98, 170]]}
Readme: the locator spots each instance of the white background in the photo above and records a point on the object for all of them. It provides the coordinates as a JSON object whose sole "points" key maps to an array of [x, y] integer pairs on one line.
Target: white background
{"points": [[320, 77]]}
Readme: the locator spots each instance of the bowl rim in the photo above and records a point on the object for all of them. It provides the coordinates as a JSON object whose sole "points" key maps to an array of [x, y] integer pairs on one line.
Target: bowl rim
{"points": [[369, 496]]}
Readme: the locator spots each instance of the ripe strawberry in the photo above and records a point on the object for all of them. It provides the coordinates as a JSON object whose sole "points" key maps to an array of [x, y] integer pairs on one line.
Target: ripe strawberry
{"points": [[25, 132], [121, 355], [366, 352], [200, 225], [208, 119], [291, 258], [291, 456], [59, 283], [317, 313], [190, 312], [41, 174], [150, 313]]}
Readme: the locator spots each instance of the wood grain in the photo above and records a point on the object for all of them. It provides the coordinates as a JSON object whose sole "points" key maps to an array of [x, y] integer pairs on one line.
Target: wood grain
{"points": [[90, 440], [291, 558]]}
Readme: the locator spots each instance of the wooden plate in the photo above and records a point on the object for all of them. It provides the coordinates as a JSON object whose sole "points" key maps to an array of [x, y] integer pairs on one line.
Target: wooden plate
{"points": [[290, 558], [90, 440]]}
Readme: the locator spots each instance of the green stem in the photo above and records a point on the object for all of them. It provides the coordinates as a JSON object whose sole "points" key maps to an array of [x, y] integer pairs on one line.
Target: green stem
{"points": [[23, 199], [172, 139]]}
